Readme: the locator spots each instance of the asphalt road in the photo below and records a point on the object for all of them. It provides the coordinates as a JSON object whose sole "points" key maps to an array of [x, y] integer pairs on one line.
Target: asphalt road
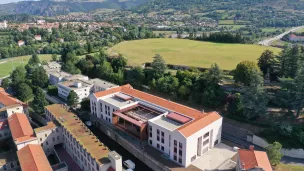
{"points": [[267, 42], [245, 144]]}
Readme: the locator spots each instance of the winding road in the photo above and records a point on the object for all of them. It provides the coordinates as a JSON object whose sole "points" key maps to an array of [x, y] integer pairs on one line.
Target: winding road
{"points": [[267, 42]]}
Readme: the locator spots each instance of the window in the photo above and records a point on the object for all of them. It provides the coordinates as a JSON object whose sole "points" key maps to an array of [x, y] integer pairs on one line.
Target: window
{"points": [[175, 157], [180, 152], [157, 131], [206, 142], [175, 150], [40, 139], [157, 138], [12, 165], [56, 129], [4, 167], [47, 143], [53, 139], [101, 107], [180, 145], [150, 142], [175, 142], [45, 135], [180, 160], [158, 146], [162, 133], [162, 148], [162, 140], [206, 135]]}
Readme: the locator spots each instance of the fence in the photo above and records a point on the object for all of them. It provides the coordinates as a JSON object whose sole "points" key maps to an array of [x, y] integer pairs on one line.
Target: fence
{"points": [[294, 153]]}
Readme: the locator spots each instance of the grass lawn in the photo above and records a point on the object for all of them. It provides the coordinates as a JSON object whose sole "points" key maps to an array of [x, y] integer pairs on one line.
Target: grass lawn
{"points": [[6, 65], [189, 52], [234, 27], [288, 167], [224, 22], [270, 29], [300, 30]]}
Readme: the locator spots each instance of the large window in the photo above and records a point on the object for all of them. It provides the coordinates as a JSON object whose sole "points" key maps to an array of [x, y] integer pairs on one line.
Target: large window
{"points": [[206, 135]]}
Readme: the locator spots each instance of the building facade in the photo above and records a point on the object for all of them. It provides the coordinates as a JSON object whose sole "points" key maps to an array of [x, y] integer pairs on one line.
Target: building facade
{"points": [[80, 87], [82, 145], [183, 134]]}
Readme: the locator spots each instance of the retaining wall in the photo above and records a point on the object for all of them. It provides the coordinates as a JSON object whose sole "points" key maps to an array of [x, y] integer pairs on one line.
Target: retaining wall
{"points": [[136, 151]]}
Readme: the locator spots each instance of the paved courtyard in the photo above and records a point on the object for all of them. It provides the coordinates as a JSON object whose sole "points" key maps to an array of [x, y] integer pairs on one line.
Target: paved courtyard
{"points": [[215, 158]]}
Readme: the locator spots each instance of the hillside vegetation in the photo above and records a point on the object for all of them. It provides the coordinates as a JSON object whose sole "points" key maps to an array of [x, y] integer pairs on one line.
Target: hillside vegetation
{"points": [[188, 52]]}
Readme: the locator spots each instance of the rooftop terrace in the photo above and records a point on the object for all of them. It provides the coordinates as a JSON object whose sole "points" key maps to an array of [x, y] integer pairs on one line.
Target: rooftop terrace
{"points": [[80, 132], [117, 101], [167, 123], [50, 125], [102, 83], [76, 84]]}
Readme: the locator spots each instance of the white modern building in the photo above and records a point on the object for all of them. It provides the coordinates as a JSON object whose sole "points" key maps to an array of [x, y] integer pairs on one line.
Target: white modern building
{"points": [[81, 144], [80, 87], [183, 134], [57, 76], [101, 85], [3, 25]]}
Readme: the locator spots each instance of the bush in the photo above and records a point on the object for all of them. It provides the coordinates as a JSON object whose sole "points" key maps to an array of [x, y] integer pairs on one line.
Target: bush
{"points": [[52, 90]]}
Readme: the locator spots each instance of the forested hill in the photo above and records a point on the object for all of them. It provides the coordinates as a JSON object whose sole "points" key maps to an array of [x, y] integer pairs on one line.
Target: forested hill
{"points": [[210, 5], [263, 13], [59, 7]]}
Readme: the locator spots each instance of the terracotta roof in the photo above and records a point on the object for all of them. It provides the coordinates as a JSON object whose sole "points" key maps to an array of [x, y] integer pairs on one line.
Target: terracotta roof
{"points": [[7, 100], [251, 159], [32, 158], [20, 127], [80, 132], [187, 129]]}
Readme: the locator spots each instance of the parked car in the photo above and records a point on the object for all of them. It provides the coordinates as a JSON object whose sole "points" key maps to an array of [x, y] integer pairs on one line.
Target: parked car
{"points": [[88, 123], [129, 164]]}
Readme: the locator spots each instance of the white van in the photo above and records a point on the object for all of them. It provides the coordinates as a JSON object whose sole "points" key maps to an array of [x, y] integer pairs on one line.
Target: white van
{"points": [[129, 164]]}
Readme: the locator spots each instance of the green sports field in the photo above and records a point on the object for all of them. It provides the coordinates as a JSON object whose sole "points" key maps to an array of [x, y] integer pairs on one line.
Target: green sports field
{"points": [[188, 52], [7, 65]]}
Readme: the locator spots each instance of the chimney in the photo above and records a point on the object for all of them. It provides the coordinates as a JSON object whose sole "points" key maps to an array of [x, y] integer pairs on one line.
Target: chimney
{"points": [[251, 147]]}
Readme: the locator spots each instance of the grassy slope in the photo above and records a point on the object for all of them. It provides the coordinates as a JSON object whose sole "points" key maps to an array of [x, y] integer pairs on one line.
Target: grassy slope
{"points": [[288, 167], [188, 52], [6, 66]]}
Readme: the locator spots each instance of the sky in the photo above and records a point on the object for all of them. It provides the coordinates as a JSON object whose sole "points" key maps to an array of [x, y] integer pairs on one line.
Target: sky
{"points": [[8, 1]]}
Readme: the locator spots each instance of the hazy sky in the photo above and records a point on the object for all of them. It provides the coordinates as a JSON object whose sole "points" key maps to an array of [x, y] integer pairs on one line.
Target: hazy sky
{"points": [[8, 1]]}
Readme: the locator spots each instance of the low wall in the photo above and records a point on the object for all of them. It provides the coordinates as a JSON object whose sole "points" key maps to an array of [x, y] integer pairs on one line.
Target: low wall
{"points": [[136, 151], [294, 153]]}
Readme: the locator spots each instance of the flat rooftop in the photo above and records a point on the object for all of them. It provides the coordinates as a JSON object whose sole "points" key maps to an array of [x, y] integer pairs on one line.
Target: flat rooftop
{"points": [[71, 84], [76, 77], [102, 83], [113, 100], [60, 74], [167, 123], [50, 125], [80, 132]]}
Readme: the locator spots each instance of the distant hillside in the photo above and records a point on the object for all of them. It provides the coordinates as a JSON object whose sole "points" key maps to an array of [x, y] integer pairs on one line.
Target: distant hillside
{"points": [[210, 5], [59, 7]]}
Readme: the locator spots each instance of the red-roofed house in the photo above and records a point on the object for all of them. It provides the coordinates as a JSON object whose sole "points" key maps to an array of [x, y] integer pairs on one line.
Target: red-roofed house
{"points": [[38, 37], [181, 132], [10, 105], [21, 43], [32, 158], [295, 38], [251, 160], [21, 130]]}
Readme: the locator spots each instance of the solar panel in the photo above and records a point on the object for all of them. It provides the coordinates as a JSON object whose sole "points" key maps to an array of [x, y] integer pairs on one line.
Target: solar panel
{"points": [[123, 96]]}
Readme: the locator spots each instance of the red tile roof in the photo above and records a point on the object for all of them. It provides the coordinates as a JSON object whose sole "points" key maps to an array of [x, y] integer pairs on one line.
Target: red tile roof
{"points": [[7, 100], [251, 159], [20, 127], [32, 158], [187, 129]]}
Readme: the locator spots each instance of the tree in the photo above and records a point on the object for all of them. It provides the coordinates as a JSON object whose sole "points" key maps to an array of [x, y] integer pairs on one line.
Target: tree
{"points": [[54, 57], [246, 71], [135, 77], [24, 92], [90, 47], [39, 77], [266, 60], [119, 63], [5, 83], [39, 101], [52, 90], [85, 104], [254, 101], [33, 63], [72, 99], [214, 74], [274, 153], [18, 76], [159, 66], [235, 106]]}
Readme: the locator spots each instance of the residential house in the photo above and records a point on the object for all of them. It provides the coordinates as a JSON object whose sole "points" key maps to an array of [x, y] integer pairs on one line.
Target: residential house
{"points": [[295, 38], [21, 43]]}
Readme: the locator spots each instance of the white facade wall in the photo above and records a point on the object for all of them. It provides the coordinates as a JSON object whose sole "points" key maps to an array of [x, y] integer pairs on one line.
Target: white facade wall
{"points": [[23, 144], [12, 110], [49, 138], [214, 129], [82, 92]]}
